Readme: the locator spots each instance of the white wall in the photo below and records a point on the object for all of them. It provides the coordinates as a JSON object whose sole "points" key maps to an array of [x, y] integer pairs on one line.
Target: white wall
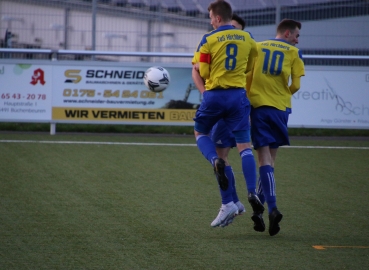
{"points": [[130, 34], [346, 33]]}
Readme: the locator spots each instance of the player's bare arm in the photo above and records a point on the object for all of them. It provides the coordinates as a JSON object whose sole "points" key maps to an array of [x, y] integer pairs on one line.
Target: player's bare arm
{"points": [[199, 82]]}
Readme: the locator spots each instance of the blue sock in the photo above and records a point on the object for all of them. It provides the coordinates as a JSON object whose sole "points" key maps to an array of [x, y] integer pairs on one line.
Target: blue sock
{"points": [[226, 195], [249, 169], [207, 148], [232, 181], [260, 192], [268, 185]]}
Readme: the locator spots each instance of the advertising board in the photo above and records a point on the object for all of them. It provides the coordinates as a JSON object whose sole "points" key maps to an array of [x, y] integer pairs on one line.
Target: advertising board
{"points": [[25, 92], [332, 97], [115, 93]]}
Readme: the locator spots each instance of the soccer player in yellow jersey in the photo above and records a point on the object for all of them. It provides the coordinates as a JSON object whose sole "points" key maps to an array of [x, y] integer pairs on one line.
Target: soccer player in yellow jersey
{"points": [[223, 57], [222, 138], [269, 91]]}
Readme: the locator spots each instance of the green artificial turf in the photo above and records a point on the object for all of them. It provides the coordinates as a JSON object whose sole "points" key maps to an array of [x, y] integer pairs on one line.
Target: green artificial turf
{"points": [[99, 202]]}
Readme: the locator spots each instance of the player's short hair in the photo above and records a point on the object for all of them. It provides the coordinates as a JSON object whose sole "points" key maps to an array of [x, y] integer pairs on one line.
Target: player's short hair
{"points": [[222, 9], [238, 19], [288, 24]]}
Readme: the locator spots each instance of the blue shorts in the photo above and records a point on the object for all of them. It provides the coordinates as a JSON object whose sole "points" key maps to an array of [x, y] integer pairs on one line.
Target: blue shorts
{"points": [[269, 127], [221, 136], [231, 105]]}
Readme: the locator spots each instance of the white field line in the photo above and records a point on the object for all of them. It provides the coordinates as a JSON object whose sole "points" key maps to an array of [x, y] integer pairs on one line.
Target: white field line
{"points": [[167, 144]]}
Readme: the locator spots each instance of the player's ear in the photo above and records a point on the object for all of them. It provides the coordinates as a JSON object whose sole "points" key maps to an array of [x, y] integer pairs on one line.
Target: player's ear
{"points": [[287, 33]]}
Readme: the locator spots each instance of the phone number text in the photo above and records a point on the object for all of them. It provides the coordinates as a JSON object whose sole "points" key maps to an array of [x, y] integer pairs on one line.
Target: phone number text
{"points": [[112, 93], [23, 96]]}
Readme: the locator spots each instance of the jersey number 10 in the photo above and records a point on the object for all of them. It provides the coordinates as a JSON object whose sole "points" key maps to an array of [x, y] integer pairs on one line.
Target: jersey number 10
{"points": [[276, 63]]}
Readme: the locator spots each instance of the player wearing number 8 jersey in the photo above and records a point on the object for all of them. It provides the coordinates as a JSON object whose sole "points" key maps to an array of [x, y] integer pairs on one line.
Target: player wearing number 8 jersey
{"points": [[270, 96], [223, 57]]}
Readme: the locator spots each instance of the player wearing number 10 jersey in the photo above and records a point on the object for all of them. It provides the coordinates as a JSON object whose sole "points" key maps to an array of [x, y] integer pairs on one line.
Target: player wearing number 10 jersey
{"points": [[223, 58], [270, 96]]}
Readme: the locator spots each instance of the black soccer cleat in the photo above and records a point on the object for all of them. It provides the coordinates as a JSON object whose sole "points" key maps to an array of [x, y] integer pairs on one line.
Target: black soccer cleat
{"points": [[258, 209], [258, 220], [274, 218], [256, 204], [219, 165]]}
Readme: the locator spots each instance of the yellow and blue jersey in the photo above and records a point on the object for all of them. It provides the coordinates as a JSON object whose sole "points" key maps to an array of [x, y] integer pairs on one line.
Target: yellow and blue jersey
{"points": [[224, 56], [277, 62]]}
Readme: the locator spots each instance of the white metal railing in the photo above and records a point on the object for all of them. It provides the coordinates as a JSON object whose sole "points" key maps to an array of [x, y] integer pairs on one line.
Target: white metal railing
{"points": [[55, 54]]}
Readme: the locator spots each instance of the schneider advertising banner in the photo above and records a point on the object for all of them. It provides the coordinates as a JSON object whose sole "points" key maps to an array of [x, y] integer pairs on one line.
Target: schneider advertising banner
{"points": [[119, 95], [67, 92], [25, 92]]}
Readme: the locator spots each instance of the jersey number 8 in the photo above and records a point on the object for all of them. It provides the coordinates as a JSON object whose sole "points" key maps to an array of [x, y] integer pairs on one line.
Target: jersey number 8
{"points": [[231, 52]]}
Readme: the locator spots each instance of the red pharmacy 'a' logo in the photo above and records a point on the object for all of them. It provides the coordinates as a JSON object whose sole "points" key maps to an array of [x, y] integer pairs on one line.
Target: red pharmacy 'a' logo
{"points": [[38, 76]]}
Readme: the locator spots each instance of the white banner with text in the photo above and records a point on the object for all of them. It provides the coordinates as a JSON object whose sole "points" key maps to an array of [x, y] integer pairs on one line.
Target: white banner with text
{"points": [[330, 97], [25, 92]]}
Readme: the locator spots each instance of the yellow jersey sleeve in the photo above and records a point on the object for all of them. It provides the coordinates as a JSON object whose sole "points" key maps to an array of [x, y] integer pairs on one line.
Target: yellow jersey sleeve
{"points": [[196, 56]]}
